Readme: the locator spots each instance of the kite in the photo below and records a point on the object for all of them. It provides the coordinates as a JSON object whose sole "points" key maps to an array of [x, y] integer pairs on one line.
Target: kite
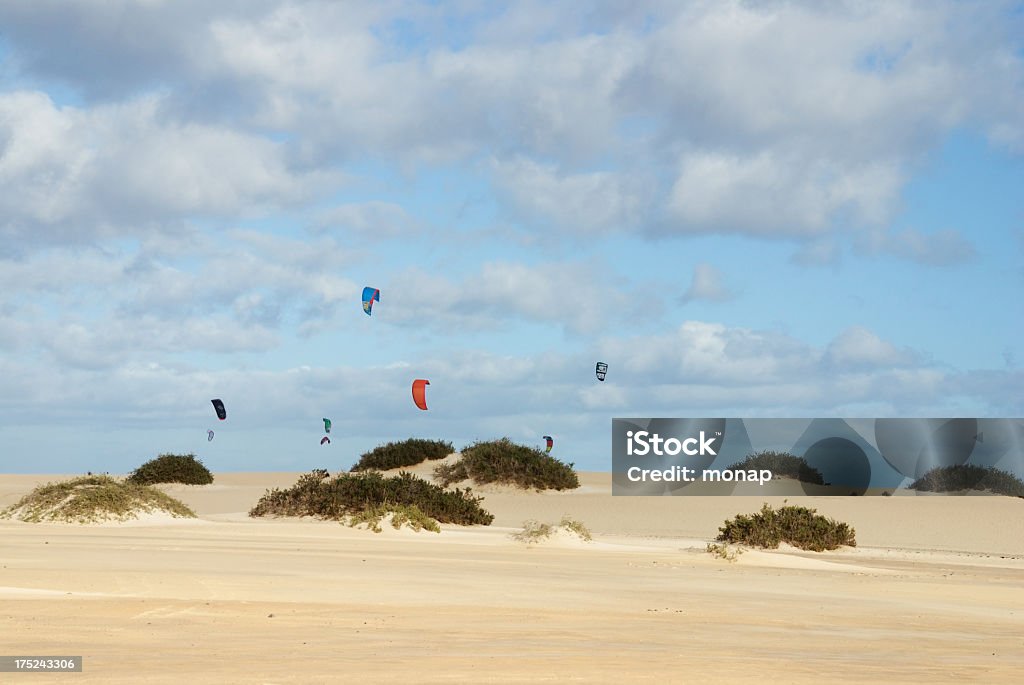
{"points": [[419, 393], [551, 443], [327, 425], [325, 440], [219, 408], [602, 369], [369, 295], [209, 436]]}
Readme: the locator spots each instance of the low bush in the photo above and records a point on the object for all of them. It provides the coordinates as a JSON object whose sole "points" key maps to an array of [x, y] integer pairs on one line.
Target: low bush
{"points": [[782, 465], [576, 527], [172, 468], [797, 526], [401, 515], [409, 452], [305, 498], [91, 499], [723, 551], [316, 494], [535, 531], [503, 461], [970, 477]]}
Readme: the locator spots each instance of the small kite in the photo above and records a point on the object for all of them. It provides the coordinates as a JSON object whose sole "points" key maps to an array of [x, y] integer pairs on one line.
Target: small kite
{"points": [[601, 369], [327, 425], [219, 408], [550, 442], [209, 436], [325, 440], [369, 295], [419, 393]]}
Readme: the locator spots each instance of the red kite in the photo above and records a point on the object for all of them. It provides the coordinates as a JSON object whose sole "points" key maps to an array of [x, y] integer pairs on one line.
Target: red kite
{"points": [[419, 393]]}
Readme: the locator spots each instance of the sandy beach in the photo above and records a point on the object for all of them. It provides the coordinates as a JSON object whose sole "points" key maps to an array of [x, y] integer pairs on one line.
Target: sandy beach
{"points": [[934, 592]]}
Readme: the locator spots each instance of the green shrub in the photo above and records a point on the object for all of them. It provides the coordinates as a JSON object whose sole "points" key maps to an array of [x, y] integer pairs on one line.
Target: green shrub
{"points": [[726, 552], [533, 531], [782, 465], [451, 473], [409, 452], [502, 461], [172, 468], [970, 477], [413, 517], [576, 527], [89, 499], [797, 526], [401, 515], [305, 498], [316, 494]]}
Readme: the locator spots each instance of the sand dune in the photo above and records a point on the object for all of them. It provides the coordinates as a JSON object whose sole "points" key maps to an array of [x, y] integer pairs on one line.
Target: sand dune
{"points": [[933, 593]]}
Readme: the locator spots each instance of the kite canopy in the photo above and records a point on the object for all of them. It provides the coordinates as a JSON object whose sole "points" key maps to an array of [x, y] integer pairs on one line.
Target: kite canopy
{"points": [[218, 406], [325, 440], [209, 436], [551, 443], [419, 393], [601, 369], [369, 295], [327, 425]]}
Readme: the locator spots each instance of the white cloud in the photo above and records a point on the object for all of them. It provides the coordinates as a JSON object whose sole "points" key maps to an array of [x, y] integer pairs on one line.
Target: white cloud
{"points": [[710, 369], [234, 293], [548, 98], [790, 119], [858, 348], [707, 284], [848, 81], [69, 174], [765, 119], [106, 345], [700, 353], [777, 194], [702, 369], [373, 220], [190, 168], [584, 203], [109, 50], [578, 297], [941, 248]]}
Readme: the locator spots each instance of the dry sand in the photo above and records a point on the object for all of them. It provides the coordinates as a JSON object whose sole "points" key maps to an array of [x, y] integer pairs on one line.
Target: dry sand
{"points": [[934, 593]]}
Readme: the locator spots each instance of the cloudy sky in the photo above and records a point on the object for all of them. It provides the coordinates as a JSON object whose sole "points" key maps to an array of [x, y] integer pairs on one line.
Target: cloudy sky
{"points": [[744, 208]]}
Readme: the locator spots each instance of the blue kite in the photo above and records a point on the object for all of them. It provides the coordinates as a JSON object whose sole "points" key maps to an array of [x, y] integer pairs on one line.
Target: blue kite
{"points": [[369, 295]]}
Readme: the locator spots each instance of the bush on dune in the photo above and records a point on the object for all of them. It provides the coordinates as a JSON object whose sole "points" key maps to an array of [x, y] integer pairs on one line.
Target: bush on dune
{"points": [[354, 494], [797, 526], [534, 531], [172, 468], [409, 452], [400, 515], [91, 499], [306, 498], [503, 461], [970, 477], [782, 465]]}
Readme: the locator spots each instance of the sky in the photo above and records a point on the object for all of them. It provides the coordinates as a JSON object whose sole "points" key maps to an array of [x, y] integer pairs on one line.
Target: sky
{"points": [[746, 209]]}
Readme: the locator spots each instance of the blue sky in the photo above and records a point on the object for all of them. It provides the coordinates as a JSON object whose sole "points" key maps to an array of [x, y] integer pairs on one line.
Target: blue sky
{"points": [[745, 209]]}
